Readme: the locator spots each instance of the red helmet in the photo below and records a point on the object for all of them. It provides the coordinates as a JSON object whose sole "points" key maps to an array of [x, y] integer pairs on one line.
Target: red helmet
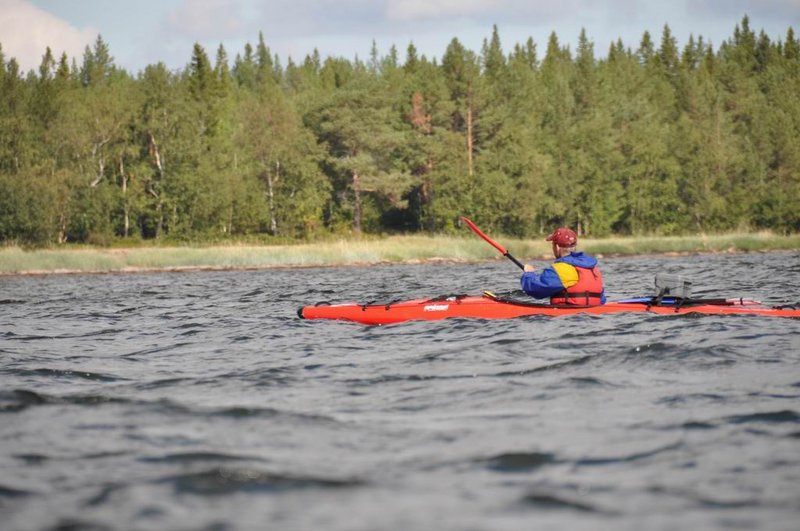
{"points": [[563, 237]]}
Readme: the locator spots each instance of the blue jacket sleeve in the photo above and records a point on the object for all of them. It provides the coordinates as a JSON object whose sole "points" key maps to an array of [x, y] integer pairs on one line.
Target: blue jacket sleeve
{"points": [[541, 285]]}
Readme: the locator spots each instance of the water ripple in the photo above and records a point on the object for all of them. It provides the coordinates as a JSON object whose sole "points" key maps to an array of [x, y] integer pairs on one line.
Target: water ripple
{"points": [[637, 456], [64, 373], [224, 481], [519, 461], [772, 417], [546, 501]]}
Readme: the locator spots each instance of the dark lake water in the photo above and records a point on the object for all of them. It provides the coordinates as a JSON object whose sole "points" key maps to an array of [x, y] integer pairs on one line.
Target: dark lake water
{"points": [[201, 401]]}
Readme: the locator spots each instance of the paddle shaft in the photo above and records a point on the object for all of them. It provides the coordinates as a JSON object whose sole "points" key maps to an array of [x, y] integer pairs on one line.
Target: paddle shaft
{"points": [[474, 228]]}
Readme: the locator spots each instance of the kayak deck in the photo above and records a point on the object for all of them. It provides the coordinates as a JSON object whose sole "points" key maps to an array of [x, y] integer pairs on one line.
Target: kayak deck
{"points": [[488, 306]]}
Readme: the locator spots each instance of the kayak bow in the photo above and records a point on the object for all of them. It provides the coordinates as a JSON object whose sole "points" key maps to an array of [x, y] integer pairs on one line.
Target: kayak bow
{"points": [[489, 306]]}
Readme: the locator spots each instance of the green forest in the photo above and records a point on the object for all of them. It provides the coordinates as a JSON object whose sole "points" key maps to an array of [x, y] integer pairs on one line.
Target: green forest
{"points": [[649, 139]]}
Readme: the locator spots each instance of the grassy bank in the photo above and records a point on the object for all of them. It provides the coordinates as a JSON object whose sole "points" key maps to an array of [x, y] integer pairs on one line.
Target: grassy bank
{"points": [[393, 249]]}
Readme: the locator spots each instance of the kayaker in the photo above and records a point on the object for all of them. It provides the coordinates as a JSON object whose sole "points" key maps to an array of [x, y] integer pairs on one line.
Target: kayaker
{"points": [[572, 279]]}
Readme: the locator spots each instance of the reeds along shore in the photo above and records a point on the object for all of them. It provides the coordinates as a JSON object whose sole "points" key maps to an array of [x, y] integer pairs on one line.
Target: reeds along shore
{"points": [[391, 249]]}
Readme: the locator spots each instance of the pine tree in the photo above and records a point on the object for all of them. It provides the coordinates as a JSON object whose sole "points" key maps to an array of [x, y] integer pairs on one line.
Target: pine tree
{"points": [[461, 73], [245, 71], [355, 124], [266, 72], [98, 64]]}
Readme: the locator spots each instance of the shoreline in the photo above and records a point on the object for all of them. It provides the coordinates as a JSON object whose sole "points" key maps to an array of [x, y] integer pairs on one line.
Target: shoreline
{"points": [[359, 252]]}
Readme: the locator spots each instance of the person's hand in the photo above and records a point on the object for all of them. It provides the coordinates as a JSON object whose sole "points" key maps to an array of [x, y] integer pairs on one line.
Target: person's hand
{"points": [[528, 268]]}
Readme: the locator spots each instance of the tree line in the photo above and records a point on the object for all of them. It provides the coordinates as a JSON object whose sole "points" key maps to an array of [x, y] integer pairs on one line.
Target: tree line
{"points": [[651, 140]]}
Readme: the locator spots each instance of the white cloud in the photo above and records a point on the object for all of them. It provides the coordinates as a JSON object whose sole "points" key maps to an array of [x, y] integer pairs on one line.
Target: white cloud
{"points": [[26, 31], [207, 19], [415, 9], [775, 7], [534, 14]]}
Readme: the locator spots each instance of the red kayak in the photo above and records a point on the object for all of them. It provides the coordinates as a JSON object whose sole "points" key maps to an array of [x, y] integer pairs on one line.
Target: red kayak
{"points": [[489, 306]]}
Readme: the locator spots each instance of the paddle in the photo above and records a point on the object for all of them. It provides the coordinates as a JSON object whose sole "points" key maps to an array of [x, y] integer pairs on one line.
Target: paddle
{"points": [[474, 228]]}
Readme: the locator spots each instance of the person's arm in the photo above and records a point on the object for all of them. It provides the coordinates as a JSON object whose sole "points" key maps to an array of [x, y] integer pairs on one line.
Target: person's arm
{"points": [[541, 285]]}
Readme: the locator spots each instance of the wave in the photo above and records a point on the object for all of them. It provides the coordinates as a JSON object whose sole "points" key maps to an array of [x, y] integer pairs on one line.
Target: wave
{"points": [[638, 456], [11, 492], [551, 501], [20, 399], [519, 461], [785, 415], [223, 481], [193, 457], [64, 373]]}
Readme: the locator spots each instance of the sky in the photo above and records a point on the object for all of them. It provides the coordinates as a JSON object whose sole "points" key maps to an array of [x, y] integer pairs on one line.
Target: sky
{"points": [[144, 32]]}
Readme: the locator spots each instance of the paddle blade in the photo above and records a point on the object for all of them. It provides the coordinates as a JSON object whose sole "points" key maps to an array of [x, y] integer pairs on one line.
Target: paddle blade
{"points": [[474, 228]]}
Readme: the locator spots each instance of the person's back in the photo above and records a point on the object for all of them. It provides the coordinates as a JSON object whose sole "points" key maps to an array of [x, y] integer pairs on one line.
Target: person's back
{"points": [[573, 279]]}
